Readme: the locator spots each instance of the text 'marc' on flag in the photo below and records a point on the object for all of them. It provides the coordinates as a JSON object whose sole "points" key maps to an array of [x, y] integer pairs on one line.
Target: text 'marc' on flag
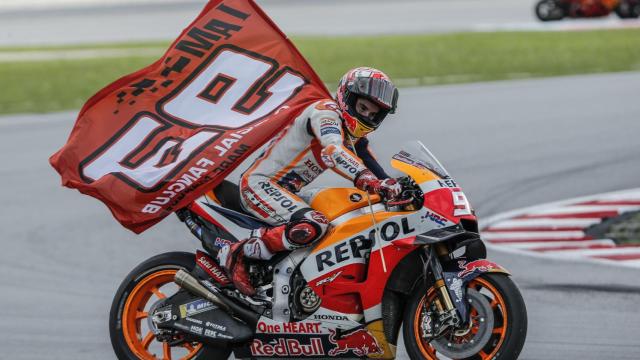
{"points": [[154, 140]]}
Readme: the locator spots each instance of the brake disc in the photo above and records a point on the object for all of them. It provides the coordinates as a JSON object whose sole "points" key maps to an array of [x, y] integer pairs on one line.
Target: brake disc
{"points": [[447, 344]]}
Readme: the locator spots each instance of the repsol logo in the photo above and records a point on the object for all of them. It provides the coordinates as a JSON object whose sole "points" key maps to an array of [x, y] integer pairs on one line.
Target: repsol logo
{"points": [[278, 196], [345, 164], [354, 247], [447, 183], [313, 167]]}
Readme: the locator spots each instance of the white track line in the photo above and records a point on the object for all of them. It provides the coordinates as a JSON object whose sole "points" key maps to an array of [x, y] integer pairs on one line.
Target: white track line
{"points": [[544, 223], [577, 209], [595, 252], [558, 244], [631, 196], [532, 235]]}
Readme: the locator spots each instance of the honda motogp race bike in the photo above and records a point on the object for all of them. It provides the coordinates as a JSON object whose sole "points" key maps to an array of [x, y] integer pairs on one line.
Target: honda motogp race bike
{"points": [[548, 10], [417, 261]]}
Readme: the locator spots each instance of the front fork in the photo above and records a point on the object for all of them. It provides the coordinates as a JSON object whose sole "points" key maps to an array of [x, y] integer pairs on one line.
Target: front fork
{"points": [[446, 314]]}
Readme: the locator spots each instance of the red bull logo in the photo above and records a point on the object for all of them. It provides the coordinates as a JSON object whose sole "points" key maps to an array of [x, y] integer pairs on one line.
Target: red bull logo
{"points": [[287, 347], [360, 342], [481, 265]]}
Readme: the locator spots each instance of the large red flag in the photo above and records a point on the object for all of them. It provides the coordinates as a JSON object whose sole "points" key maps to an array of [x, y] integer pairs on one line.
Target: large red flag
{"points": [[154, 140]]}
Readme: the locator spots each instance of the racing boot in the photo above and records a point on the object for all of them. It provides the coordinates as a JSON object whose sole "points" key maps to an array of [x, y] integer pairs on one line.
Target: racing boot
{"points": [[231, 257]]}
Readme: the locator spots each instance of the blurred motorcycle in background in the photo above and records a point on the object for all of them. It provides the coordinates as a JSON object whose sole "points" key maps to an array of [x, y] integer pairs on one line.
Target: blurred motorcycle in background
{"points": [[548, 10]]}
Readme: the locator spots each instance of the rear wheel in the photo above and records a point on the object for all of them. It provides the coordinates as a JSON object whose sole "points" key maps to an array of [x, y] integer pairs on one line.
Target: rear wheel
{"points": [[548, 10], [129, 326], [497, 326]]}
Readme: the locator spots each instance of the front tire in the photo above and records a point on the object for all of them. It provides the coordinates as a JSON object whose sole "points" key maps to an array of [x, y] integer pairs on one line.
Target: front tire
{"points": [[150, 281], [505, 323], [548, 10], [628, 10]]}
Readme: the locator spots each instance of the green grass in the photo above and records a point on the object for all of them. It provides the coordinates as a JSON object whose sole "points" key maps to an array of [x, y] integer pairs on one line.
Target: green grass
{"points": [[41, 86], [626, 231]]}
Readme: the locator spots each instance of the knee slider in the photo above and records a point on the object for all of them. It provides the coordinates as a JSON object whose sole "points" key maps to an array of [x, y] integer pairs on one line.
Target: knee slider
{"points": [[305, 227]]}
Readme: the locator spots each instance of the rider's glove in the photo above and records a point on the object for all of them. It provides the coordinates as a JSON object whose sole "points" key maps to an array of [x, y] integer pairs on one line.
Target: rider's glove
{"points": [[367, 181]]}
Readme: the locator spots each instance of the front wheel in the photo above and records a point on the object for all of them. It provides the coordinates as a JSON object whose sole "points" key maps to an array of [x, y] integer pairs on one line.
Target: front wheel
{"points": [[549, 10], [628, 10], [131, 335], [497, 326]]}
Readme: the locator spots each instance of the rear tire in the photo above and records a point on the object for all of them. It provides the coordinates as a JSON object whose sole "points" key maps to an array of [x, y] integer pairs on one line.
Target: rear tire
{"points": [[507, 337], [548, 10], [126, 319]]}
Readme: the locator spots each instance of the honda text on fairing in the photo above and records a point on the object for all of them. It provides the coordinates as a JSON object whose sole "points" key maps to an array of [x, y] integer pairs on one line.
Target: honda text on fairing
{"points": [[417, 261], [548, 10]]}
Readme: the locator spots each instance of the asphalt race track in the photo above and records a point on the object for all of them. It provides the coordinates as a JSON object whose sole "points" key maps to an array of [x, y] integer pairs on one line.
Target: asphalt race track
{"points": [[140, 21], [510, 144]]}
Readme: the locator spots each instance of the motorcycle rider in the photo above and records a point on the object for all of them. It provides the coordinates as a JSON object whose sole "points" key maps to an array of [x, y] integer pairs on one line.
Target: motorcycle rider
{"points": [[589, 8], [326, 134]]}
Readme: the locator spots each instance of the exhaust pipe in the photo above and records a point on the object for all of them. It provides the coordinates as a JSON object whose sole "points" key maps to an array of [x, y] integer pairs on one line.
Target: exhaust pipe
{"points": [[191, 284], [187, 281]]}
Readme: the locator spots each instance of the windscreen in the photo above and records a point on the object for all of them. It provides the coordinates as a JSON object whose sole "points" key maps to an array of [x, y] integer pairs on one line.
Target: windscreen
{"points": [[416, 154]]}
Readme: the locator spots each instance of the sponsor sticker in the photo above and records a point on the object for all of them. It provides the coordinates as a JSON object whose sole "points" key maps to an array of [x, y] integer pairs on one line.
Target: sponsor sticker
{"points": [[196, 329], [215, 334], [328, 122], [290, 328], [220, 242], [481, 265], [329, 130], [215, 326], [195, 307], [287, 347], [208, 265], [328, 279], [199, 322], [292, 181], [358, 246], [276, 195], [360, 342], [429, 215]]}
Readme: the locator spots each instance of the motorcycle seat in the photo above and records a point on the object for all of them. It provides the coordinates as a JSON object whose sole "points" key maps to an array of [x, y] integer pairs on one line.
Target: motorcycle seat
{"points": [[227, 195]]}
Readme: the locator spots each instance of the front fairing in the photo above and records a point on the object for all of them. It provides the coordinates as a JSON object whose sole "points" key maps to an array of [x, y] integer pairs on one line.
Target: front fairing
{"points": [[443, 197]]}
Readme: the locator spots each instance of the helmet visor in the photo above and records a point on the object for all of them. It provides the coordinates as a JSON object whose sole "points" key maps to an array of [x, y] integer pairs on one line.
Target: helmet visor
{"points": [[379, 90]]}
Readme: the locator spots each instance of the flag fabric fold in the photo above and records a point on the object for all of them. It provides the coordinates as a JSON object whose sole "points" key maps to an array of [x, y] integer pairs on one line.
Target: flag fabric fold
{"points": [[154, 140]]}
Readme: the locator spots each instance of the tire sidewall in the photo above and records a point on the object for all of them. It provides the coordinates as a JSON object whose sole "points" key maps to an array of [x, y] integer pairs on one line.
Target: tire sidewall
{"points": [[516, 321], [172, 260]]}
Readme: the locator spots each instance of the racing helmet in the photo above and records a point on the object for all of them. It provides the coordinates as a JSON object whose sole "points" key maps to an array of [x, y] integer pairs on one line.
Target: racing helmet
{"points": [[371, 84]]}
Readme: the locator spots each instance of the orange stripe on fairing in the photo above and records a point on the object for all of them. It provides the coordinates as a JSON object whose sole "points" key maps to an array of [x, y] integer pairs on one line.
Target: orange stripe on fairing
{"points": [[352, 227], [419, 175], [281, 173], [333, 202]]}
